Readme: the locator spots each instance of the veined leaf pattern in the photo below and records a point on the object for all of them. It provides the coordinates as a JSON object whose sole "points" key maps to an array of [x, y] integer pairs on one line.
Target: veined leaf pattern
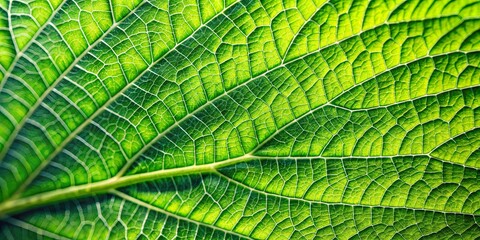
{"points": [[233, 119]]}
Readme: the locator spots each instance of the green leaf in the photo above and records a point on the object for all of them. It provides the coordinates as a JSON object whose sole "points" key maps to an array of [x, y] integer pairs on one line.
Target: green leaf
{"points": [[216, 119]]}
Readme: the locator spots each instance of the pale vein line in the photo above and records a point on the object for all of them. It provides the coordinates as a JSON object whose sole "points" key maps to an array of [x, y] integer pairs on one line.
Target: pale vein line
{"points": [[153, 172], [22, 52], [226, 93], [38, 101], [311, 111], [157, 209], [74, 133], [152, 175], [33, 228], [310, 202], [13, 206]]}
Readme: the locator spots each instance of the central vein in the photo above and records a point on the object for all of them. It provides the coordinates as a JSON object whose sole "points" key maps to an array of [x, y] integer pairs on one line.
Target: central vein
{"points": [[41, 199]]}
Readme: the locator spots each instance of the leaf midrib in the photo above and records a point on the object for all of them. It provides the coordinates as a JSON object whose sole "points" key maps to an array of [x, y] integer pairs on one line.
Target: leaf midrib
{"points": [[74, 133], [119, 179], [11, 207], [105, 106], [165, 132], [99, 187]]}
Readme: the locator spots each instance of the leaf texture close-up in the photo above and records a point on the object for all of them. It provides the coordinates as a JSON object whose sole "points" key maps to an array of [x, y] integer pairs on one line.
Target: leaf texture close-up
{"points": [[239, 119]]}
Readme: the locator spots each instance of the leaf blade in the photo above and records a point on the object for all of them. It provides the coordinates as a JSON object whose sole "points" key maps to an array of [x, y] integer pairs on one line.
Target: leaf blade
{"points": [[249, 119]]}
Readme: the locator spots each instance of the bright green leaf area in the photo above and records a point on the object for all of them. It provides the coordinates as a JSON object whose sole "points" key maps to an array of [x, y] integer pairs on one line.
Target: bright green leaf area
{"points": [[239, 119]]}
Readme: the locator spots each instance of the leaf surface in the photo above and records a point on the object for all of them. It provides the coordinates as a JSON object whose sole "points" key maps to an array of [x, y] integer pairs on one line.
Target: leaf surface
{"points": [[239, 119]]}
